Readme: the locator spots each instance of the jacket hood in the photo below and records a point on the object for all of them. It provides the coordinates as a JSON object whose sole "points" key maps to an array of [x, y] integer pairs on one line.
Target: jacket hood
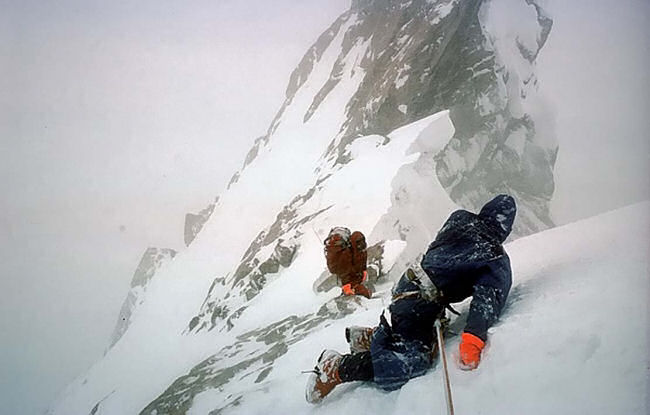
{"points": [[499, 214]]}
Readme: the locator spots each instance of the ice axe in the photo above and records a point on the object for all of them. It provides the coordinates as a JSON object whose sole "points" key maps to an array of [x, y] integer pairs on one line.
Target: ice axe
{"points": [[445, 373]]}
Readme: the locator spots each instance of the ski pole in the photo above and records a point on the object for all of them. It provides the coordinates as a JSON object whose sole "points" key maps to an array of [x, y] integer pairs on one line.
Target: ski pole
{"points": [[445, 373]]}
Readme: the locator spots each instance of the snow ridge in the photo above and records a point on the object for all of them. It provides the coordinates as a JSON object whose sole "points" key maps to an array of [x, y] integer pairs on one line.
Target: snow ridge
{"points": [[400, 113]]}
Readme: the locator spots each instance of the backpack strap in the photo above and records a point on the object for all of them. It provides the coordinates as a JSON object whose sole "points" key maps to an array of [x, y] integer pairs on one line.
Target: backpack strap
{"points": [[450, 308], [359, 245]]}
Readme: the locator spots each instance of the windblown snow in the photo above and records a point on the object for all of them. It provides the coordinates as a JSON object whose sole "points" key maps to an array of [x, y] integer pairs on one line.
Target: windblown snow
{"points": [[572, 339], [228, 324]]}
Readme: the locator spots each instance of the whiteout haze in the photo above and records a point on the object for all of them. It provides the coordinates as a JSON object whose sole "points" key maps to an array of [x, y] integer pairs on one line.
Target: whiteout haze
{"points": [[401, 112]]}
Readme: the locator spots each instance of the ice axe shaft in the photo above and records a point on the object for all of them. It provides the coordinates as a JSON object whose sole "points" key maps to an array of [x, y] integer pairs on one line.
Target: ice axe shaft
{"points": [[445, 373]]}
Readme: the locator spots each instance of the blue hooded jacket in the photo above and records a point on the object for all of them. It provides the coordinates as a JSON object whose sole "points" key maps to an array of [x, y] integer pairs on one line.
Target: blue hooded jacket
{"points": [[466, 259], [466, 245]]}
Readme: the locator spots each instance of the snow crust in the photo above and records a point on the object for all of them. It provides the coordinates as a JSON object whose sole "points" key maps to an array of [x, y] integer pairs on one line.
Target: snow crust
{"points": [[441, 10], [572, 338], [156, 348], [381, 182], [153, 352], [515, 36], [359, 195]]}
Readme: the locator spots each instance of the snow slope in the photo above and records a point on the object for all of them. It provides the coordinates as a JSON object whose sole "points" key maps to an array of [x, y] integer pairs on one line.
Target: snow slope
{"points": [[157, 349], [572, 339], [228, 325]]}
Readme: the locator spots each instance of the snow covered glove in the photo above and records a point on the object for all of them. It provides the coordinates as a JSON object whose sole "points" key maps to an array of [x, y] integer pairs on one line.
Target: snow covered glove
{"points": [[470, 351]]}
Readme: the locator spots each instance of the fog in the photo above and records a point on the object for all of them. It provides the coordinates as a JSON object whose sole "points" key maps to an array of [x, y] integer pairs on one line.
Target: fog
{"points": [[117, 118], [593, 70]]}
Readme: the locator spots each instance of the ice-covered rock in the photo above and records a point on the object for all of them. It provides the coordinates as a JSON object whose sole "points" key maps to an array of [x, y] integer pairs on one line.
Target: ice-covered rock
{"points": [[194, 222], [152, 260], [399, 113]]}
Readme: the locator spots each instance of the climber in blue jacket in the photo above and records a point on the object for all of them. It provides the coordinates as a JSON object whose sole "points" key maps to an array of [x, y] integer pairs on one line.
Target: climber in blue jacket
{"points": [[465, 259]]}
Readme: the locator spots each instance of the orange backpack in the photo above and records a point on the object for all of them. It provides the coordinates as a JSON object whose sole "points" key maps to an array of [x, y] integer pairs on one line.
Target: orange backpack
{"points": [[345, 253]]}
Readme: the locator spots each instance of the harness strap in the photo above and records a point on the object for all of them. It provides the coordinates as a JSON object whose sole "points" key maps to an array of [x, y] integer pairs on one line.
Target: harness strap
{"points": [[450, 308], [406, 294], [418, 295]]}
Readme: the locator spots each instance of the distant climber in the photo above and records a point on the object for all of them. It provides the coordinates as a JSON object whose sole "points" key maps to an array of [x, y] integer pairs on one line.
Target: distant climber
{"points": [[465, 259], [347, 256]]}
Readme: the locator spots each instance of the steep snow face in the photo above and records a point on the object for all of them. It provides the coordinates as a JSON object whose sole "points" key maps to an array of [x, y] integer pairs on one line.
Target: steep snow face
{"points": [[571, 339], [364, 139], [390, 63], [476, 59], [499, 146], [357, 193], [152, 260], [252, 316], [244, 307]]}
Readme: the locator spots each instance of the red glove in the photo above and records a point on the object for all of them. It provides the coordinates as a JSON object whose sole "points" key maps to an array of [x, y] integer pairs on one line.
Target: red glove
{"points": [[470, 351], [347, 289], [361, 289], [358, 289]]}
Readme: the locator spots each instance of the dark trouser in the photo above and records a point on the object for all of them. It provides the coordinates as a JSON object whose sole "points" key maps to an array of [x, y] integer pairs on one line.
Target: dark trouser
{"points": [[356, 366]]}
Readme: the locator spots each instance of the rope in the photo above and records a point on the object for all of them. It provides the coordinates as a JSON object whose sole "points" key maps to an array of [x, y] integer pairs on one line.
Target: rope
{"points": [[445, 373]]}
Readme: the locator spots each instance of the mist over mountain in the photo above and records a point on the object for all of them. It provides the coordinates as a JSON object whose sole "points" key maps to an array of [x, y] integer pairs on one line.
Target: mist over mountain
{"points": [[399, 113]]}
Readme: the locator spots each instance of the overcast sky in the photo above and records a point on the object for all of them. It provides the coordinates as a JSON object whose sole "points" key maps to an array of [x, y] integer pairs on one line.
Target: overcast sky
{"points": [[594, 72], [117, 118]]}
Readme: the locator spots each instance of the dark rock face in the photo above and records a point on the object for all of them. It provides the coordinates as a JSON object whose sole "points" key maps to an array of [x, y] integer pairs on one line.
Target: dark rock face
{"points": [[194, 222], [421, 57], [426, 56], [228, 296], [254, 151], [497, 147], [248, 360], [152, 260]]}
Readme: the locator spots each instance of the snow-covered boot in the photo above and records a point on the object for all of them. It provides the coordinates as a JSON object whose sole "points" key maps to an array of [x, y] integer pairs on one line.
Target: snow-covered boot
{"points": [[359, 338], [325, 376]]}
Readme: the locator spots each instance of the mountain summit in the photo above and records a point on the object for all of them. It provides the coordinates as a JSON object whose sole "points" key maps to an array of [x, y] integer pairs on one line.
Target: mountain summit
{"points": [[389, 63]]}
